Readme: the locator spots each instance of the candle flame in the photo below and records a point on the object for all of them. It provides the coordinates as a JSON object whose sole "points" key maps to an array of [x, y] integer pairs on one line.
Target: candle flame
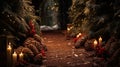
{"points": [[9, 43], [95, 43], [79, 35], [68, 29], [21, 54], [9, 47], [14, 54], [100, 39]]}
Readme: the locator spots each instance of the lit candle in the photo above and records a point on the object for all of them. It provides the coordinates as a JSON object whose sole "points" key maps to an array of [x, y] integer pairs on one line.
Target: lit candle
{"points": [[21, 56], [100, 40], [95, 43], [68, 29], [9, 54], [9, 48], [79, 35], [14, 58]]}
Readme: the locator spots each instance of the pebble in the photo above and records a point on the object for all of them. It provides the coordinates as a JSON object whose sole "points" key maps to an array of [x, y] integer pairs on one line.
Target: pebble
{"points": [[81, 54], [68, 62], [86, 62], [69, 43], [75, 55]]}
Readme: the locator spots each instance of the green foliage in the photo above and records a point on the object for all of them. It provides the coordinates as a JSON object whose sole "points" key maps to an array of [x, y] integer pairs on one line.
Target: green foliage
{"points": [[96, 16], [14, 18]]}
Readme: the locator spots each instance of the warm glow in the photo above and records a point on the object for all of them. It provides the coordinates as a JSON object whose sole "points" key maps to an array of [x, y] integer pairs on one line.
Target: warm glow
{"points": [[100, 40], [9, 54], [21, 54], [95, 43], [68, 29], [14, 54], [79, 35], [9, 43], [14, 58], [9, 47]]}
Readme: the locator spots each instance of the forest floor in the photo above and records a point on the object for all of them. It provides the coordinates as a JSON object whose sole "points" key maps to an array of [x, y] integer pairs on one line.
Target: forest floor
{"points": [[61, 52]]}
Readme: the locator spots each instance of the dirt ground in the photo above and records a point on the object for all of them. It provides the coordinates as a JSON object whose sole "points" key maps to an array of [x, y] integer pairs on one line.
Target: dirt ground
{"points": [[61, 52]]}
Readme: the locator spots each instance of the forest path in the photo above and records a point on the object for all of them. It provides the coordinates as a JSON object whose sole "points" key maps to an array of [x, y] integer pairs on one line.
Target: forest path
{"points": [[61, 52]]}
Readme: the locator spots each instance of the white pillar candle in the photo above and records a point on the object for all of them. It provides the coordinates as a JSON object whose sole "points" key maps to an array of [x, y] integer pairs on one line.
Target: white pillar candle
{"points": [[9, 54], [100, 40], [14, 55], [21, 56], [9, 49], [95, 43]]}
